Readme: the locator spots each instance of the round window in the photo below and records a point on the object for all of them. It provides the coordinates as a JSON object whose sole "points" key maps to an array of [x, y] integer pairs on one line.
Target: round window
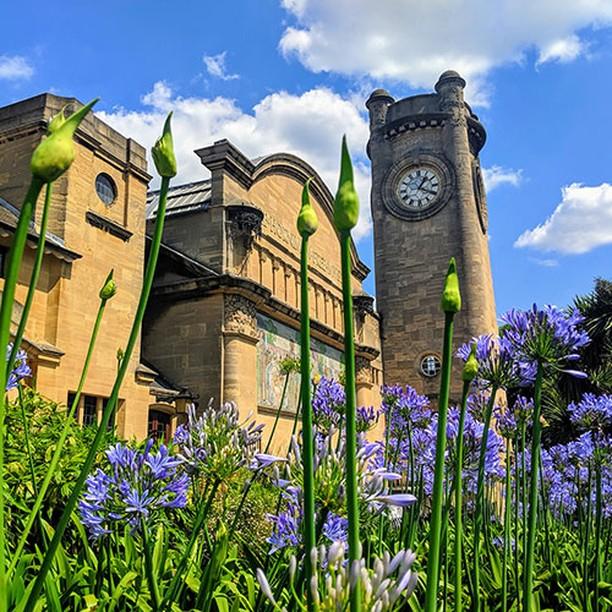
{"points": [[430, 366], [106, 189]]}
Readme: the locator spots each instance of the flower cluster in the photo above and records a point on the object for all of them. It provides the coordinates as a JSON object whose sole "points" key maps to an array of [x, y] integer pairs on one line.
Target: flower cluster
{"points": [[593, 413], [216, 444], [511, 420], [386, 584], [547, 335], [135, 487], [19, 370], [329, 404], [410, 449], [374, 484], [404, 409], [569, 475], [496, 364]]}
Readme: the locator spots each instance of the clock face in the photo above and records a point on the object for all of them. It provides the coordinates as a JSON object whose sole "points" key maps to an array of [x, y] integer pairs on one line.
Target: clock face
{"points": [[419, 187]]}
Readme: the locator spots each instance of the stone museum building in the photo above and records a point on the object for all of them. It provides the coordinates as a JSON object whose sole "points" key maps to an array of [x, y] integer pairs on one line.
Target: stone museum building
{"points": [[224, 311]]}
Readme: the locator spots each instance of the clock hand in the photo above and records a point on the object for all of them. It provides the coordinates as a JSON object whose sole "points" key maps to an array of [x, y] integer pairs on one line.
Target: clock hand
{"points": [[429, 191]]}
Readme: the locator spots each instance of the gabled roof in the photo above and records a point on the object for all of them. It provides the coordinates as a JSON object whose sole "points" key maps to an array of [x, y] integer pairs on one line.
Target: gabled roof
{"points": [[181, 199], [9, 215]]}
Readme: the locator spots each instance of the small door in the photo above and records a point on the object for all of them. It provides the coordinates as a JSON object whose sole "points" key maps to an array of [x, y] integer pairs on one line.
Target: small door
{"points": [[159, 425]]}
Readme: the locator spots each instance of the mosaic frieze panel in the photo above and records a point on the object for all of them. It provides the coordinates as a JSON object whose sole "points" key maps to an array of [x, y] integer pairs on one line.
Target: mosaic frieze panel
{"points": [[276, 342]]}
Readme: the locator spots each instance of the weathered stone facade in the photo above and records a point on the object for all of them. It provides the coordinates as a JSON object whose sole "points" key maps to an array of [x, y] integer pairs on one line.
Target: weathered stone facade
{"points": [[87, 238], [413, 244], [224, 311], [240, 229]]}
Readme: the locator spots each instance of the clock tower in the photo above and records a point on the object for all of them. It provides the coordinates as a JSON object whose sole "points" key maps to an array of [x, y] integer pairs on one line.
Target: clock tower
{"points": [[428, 205]]}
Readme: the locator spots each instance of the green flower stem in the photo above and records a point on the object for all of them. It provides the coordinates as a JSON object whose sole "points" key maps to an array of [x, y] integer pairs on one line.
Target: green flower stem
{"points": [[545, 515], [524, 485], [26, 434], [153, 586], [352, 499], [598, 515], [459, 500], [435, 528], [516, 517], [8, 295], [307, 430], [507, 515], [278, 412], [177, 582], [245, 494], [40, 253], [478, 517], [296, 419], [112, 402], [59, 446], [584, 531], [533, 492]]}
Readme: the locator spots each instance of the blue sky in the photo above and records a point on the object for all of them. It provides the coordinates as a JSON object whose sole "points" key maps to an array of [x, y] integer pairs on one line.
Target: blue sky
{"points": [[293, 75]]}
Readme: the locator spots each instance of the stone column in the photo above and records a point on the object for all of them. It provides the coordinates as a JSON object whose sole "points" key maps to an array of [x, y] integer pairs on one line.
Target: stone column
{"points": [[240, 338], [478, 312]]}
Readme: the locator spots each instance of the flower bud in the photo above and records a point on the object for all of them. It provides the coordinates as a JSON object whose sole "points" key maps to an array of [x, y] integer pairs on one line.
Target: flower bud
{"points": [[56, 121], [109, 289], [307, 222], [451, 297], [470, 369], [163, 152], [346, 203], [53, 156]]}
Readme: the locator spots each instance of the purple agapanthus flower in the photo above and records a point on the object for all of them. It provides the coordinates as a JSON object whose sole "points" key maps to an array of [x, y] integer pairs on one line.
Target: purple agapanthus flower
{"points": [[547, 335], [335, 528], [20, 369], [328, 404], [286, 531], [593, 413], [134, 486], [404, 409], [510, 419], [216, 443], [496, 363]]}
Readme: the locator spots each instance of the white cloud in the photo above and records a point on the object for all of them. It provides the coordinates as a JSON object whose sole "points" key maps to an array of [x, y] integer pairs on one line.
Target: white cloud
{"points": [[14, 67], [545, 263], [562, 50], [416, 41], [496, 175], [215, 66], [309, 125], [580, 223]]}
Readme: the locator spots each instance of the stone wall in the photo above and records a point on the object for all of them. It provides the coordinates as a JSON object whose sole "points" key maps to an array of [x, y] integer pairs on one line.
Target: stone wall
{"points": [[113, 238]]}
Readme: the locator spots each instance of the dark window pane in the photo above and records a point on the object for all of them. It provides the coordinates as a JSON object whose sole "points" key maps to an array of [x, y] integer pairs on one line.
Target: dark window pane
{"points": [[89, 410], [69, 401]]}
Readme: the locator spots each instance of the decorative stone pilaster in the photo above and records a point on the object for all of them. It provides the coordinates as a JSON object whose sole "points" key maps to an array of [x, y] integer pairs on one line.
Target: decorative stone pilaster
{"points": [[363, 371], [240, 336], [239, 317]]}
